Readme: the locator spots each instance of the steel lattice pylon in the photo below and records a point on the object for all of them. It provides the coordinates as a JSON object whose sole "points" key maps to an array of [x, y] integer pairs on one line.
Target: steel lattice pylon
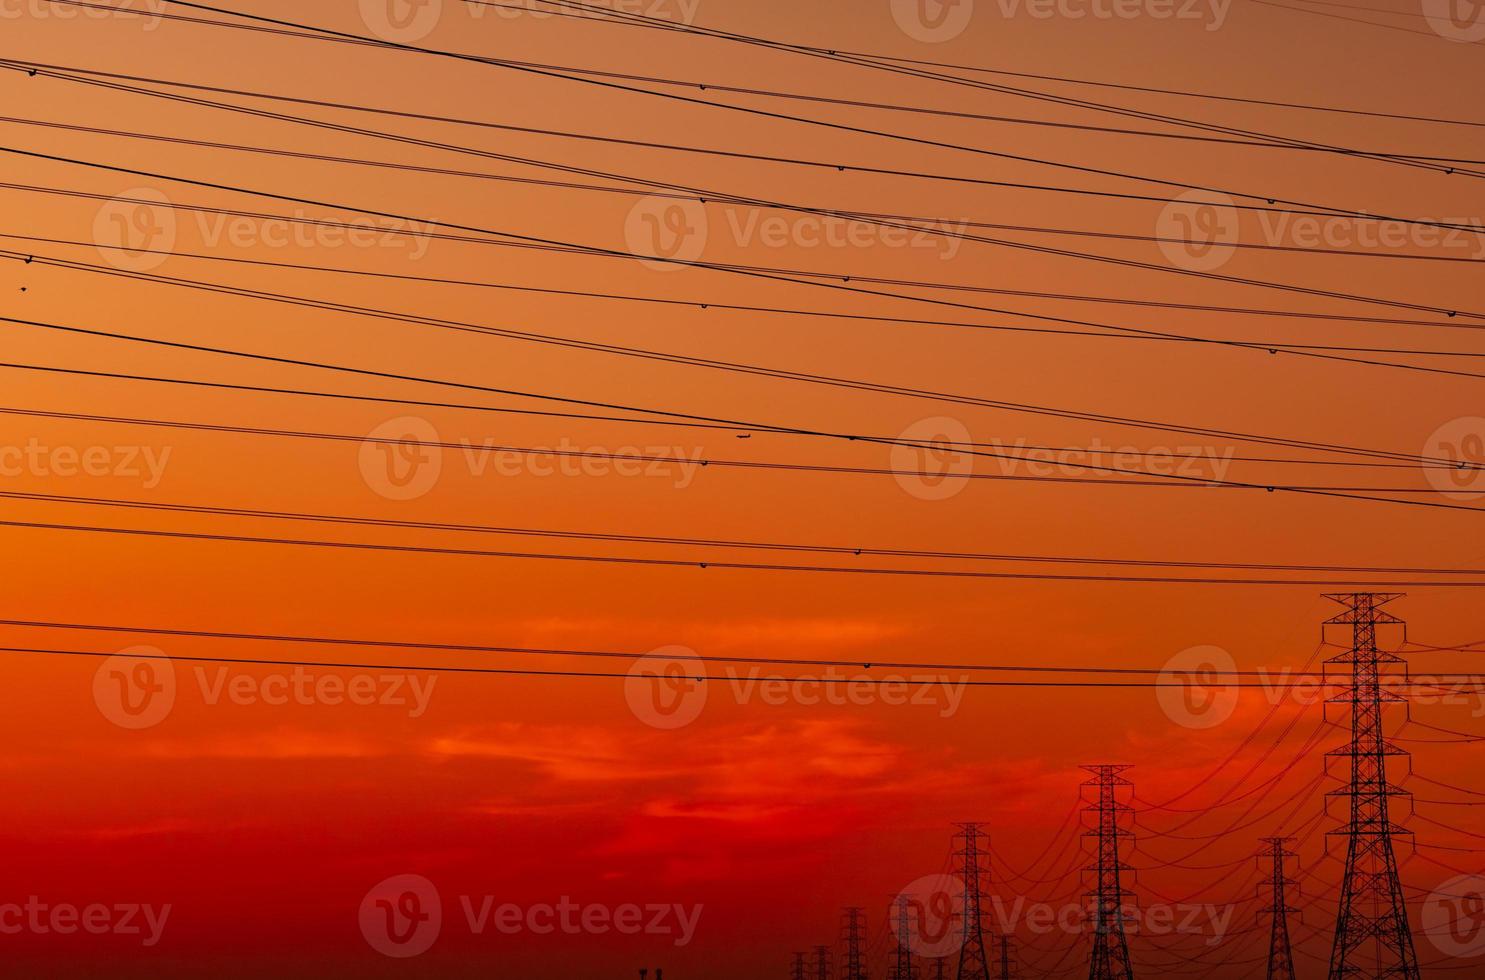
{"points": [[822, 963], [1372, 935], [1007, 962], [1110, 956], [974, 961], [853, 936], [902, 963], [1280, 952]]}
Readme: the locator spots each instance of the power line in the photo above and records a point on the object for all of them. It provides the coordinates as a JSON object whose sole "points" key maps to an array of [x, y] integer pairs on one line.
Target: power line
{"points": [[706, 304], [559, 72], [58, 72], [548, 339], [702, 193], [527, 672], [937, 225], [704, 462], [674, 540], [1258, 141], [446, 647], [708, 565], [1063, 79], [837, 56], [364, 372], [608, 80]]}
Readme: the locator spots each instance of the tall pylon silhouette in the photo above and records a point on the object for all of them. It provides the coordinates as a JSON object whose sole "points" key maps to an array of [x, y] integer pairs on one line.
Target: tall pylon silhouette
{"points": [[1110, 957], [974, 962], [822, 963], [1280, 952], [853, 936], [1006, 965], [797, 968], [1372, 935], [902, 961]]}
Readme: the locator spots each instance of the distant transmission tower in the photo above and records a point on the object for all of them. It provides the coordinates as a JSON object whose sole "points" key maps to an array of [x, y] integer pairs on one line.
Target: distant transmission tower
{"points": [[1280, 952], [902, 965], [797, 969], [822, 963], [1110, 957], [1372, 936], [974, 963], [939, 965], [853, 934], [1007, 966]]}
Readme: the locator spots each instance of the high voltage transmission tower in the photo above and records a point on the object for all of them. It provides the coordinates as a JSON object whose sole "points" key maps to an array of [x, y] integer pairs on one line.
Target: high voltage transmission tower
{"points": [[853, 934], [902, 965], [1110, 956], [1007, 966], [1280, 952], [1372, 936], [797, 969], [939, 967], [822, 963], [974, 962]]}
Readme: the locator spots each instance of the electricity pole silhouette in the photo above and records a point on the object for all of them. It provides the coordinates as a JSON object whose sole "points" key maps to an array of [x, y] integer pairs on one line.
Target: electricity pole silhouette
{"points": [[1372, 935], [1280, 953], [1110, 957], [853, 933], [974, 963], [902, 966]]}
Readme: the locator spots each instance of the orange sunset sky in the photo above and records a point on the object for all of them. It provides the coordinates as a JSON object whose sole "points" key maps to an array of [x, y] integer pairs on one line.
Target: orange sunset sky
{"points": [[518, 259]]}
